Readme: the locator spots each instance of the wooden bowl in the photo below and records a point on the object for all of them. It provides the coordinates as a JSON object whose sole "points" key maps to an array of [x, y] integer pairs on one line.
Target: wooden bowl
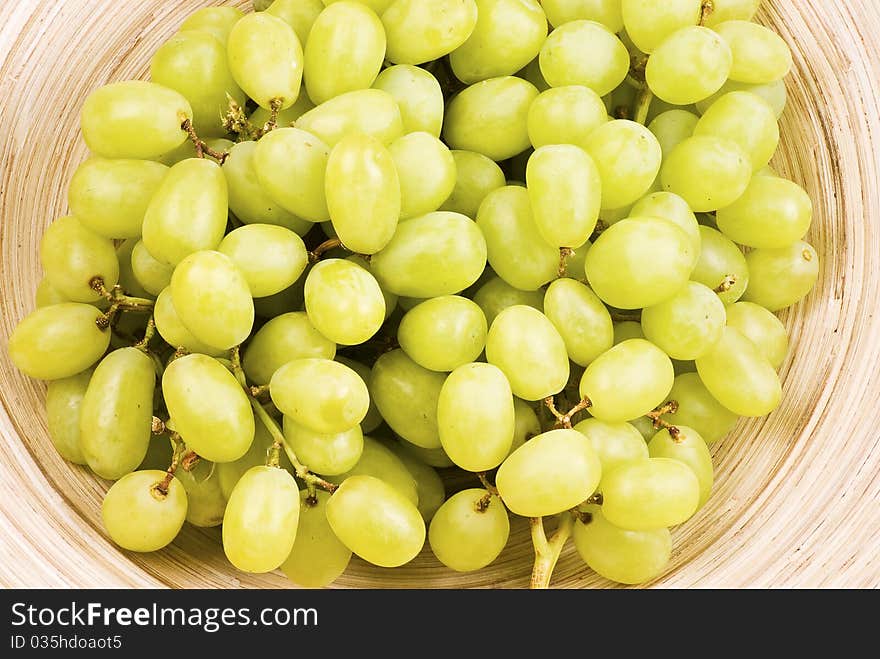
{"points": [[796, 498]]}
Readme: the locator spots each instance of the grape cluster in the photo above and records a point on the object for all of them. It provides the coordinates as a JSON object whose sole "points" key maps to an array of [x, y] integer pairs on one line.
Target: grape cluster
{"points": [[333, 247]]}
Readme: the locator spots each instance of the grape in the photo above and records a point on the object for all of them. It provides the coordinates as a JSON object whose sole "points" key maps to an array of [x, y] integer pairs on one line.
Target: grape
{"points": [[532, 73], [150, 274], [138, 517], [773, 213], [496, 295], [710, 173], [406, 395], [429, 486], [378, 6], [72, 256], [746, 119], [261, 520], [213, 20], [628, 157], [271, 258], [284, 338], [759, 54], [627, 329], [720, 258], [320, 394], [649, 23], [616, 444], [739, 377], [697, 408], [369, 111], [689, 66], [229, 473], [528, 349], [443, 333], [607, 12], [47, 295], [418, 95], [689, 448], [206, 503], [344, 302], [526, 424], [423, 30], [778, 278], [673, 127], [298, 14], [325, 453], [516, 251], [134, 119], [390, 298], [629, 557], [379, 461], [549, 474], [507, 36], [318, 558], [266, 59], [194, 189], [581, 319], [469, 531], [491, 117], [427, 173], [773, 93], [373, 419], [729, 10], [212, 299], [217, 422], [565, 115], [650, 494], [673, 208], [435, 457], [639, 262], [687, 325], [261, 116], [584, 53], [171, 328], [63, 404], [58, 341], [344, 52], [760, 326], [110, 197], [376, 522], [476, 177]]}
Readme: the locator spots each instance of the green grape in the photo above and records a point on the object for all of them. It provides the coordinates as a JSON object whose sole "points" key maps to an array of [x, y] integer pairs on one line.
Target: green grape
{"points": [[379, 461], [720, 259], [110, 197], [687, 325], [697, 408], [140, 518], [565, 115], [284, 338], [194, 63], [344, 302], [469, 531], [429, 486], [58, 341], [152, 275], [47, 295], [526, 424], [266, 59], [529, 350], [584, 53], [134, 119], [291, 154], [186, 150], [63, 404], [650, 494], [443, 333], [214, 20], [673, 127], [476, 177], [369, 111], [373, 419], [616, 444], [390, 298], [261, 519], [671, 207], [298, 14], [689, 66], [739, 377], [363, 193], [645, 426], [731, 10], [344, 52], [627, 381], [206, 503], [194, 189], [209, 408], [261, 116], [566, 192], [685, 172], [628, 557], [423, 30], [212, 299], [229, 473], [406, 395], [427, 173], [532, 73], [760, 326], [773, 213], [626, 330], [649, 23], [496, 295], [436, 254], [320, 394], [639, 262], [628, 157], [475, 416], [549, 474], [607, 12], [581, 319], [127, 279], [418, 95], [759, 54], [271, 258], [73, 255], [508, 35], [435, 457], [773, 93], [325, 453], [689, 448], [779, 278], [516, 250], [376, 522], [746, 119], [378, 6], [172, 329], [318, 557]]}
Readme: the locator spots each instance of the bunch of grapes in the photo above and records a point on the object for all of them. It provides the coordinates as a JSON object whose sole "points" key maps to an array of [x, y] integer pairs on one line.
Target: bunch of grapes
{"points": [[333, 247]]}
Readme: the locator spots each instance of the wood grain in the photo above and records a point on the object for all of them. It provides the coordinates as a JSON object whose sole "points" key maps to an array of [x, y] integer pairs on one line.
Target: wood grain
{"points": [[797, 499]]}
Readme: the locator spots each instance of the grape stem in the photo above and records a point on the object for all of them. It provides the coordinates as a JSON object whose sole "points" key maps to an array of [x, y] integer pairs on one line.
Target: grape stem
{"points": [[202, 147], [262, 390], [564, 420], [564, 254], [669, 407], [706, 10], [236, 121], [726, 284], [119, 301], [144, 344], [160, 489], [158, 426], [547, 551], [493, 491], [643, 106], [274, 108], [316, 254]]}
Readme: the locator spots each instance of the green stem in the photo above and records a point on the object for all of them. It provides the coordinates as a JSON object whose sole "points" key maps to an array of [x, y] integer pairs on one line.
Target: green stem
{"points": [[547, 552], [643, 105], [149, 333]]}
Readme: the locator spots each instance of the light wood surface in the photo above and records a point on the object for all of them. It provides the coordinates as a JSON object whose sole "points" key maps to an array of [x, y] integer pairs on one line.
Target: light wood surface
{"points": [[797, 497]]}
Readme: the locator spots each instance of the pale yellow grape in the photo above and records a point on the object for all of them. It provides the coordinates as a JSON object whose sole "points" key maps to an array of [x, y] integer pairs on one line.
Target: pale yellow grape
{"points": [[47, 295], [261, 116], [671, 207], [710, 173], [469, 531], [443, 333], [476, 177], [217, 21], [63, 404], [687, 325], [759, 54], [379, 461], [172, 329], [627, 329], [391, 299], [689, 66], [690, 448], [746, 119], [206, 503], [328, 454], [780, 277], [565, 115], [134, 119], [373, 419], [298, 14], [72, 255], [772, 213], [529, 350], [271, 258], [229, 473], [720, 258], [418, 95], [139, 518], [151, 274], [773, 93], [423, 30], [673, 127], [344, 52], [429, 486], [616, 444], [549, 474], [261, 520], [344, 302], [628, 157], [762, 328], [581, 319], [526, 424], [378, 6], [284, 338], [698, 409], [127, 279], [427, 173], [650, 494], [607, 12], [496, 295], [649, 23], [730, 10], [318, 557], [369, 111], [584, 53]]}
